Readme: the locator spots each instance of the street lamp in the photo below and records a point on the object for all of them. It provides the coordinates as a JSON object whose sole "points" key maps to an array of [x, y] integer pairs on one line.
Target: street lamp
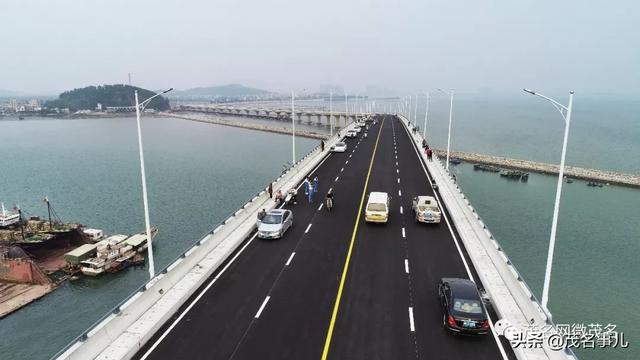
{"points": [[565, 111], [449, 133], [415, 113], [426, 115], [330, 112], [293, 129], [346, 108], [140, 107]]}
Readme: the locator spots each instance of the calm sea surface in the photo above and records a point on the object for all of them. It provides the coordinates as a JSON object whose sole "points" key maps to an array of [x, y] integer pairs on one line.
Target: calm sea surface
{"points": [[199, 173]]}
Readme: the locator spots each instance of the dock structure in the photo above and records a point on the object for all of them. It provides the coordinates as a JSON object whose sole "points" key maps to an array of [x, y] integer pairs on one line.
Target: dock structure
{"points": [[334, 287], [214, 119], [602, 176]]}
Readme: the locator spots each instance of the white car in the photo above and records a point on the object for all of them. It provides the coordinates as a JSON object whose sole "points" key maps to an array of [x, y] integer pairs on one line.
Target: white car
{"points": [[339, 147], [357, 129], [426, 209], [275, 224], [351, 134]]}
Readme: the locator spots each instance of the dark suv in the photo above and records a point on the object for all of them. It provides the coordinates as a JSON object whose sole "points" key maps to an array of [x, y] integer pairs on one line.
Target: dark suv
{"points": [[464, 311]]}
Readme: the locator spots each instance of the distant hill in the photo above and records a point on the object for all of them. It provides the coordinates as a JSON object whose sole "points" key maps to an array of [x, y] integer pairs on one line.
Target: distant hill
{"points": [[230, 91], [108, 95]]}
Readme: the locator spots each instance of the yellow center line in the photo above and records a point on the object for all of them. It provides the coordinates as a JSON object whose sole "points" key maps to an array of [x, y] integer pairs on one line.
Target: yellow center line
{"points": [[334, 315]]}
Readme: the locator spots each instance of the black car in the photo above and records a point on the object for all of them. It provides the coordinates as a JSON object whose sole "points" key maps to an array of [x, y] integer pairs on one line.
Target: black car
{"points": [[464, 311]]}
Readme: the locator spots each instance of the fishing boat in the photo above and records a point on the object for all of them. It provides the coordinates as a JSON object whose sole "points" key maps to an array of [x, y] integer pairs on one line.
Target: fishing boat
{"points": [[455, 161], [515, 175], [8, 218], [483, 167], [115, 253]]}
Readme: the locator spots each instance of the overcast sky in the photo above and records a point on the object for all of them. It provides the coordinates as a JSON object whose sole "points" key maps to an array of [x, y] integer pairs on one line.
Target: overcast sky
{"points": [[589, 46]]}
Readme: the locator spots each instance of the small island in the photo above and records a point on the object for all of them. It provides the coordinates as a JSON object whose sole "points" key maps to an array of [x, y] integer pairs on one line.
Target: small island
{"points": [[103, 98]]}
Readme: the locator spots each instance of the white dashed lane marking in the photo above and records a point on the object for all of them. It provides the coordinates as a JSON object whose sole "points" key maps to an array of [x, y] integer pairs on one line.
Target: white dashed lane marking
{"points": [[291, 258], [264, 303], [412, 326]]}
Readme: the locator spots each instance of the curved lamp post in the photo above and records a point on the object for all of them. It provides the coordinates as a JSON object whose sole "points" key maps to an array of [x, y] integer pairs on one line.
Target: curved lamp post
{"points": [[565, 111], [139, 108]]}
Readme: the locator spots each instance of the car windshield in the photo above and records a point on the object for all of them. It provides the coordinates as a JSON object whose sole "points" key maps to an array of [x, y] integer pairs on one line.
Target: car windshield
{"points": [[341, 144], [376, 207], [467, 306], [272, 219], [429, 208]]}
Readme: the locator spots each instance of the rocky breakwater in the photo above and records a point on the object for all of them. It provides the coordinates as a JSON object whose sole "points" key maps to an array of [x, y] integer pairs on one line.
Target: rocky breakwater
{"points": [[218, 121], [610, 177]]}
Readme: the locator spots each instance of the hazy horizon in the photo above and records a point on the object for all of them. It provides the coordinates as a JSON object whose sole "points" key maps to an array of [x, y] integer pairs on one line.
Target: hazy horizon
{"points": [[494, 47]]}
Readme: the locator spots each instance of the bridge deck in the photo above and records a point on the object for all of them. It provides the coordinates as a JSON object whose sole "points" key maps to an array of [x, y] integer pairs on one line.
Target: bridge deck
{"points": [[270, 303]]}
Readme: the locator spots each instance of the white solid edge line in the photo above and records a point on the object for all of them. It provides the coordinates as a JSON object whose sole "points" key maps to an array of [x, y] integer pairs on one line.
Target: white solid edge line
{"points": [[153, 347], [188, 308], [290, 258], [264, 303], [455, 239], [406, 265], [308, 227], [412, 326]]}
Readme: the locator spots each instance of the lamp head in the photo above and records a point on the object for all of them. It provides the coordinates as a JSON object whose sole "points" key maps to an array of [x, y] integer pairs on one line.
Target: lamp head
{"points": [[529, 91]]}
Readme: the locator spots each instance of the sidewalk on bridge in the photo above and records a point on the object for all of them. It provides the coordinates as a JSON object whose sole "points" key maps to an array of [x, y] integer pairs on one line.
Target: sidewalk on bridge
{"points": [[509, 294], [123, 332]]}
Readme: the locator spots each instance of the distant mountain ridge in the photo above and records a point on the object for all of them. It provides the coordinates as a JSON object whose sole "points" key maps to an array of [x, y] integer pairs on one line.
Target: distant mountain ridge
{"points": [[231, 90]]}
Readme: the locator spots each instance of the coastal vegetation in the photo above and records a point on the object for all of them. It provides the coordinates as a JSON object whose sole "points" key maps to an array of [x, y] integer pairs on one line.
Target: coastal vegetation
{"points": [[119, 95]]}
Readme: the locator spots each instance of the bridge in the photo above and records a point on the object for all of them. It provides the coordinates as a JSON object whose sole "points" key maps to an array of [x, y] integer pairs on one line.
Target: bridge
{"points": [[334, 287], [318, 117]]}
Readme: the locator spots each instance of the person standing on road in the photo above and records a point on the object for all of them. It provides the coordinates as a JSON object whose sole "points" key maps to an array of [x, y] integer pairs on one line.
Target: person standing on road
{"points": [[307, 189], [322, 145], [429, 154], [315, 185], [270, 190], [262, 214]]}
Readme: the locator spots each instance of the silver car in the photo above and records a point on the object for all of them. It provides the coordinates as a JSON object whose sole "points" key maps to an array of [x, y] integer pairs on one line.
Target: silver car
{"points": [[275, 224]]}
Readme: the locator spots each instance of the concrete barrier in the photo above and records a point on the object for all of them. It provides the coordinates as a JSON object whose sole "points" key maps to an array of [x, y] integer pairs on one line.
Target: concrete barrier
{"points": [[509, 294], [127, 327]]}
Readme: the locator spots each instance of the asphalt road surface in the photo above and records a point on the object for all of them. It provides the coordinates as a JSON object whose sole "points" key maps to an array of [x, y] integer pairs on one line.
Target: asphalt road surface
{"points": [[335, 287]]}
